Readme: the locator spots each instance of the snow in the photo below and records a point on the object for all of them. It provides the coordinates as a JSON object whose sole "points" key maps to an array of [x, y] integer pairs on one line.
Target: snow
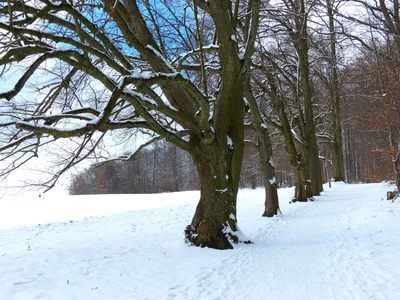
{"points": [[229, 141], [295, 135], [211, 114], [271, 162], [63, 129], [273, 180], [161, 57], [137, 74], [344, 245], [183, 56], [142, 97]]}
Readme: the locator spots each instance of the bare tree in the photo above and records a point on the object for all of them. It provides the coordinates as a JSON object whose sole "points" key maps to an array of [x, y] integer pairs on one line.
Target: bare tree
{"points": [[285, 79], [331, 8], [147, 82]]}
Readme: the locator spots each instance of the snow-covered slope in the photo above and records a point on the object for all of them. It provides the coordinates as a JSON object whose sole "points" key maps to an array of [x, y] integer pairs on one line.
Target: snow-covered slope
{"points": [[345, 245]]}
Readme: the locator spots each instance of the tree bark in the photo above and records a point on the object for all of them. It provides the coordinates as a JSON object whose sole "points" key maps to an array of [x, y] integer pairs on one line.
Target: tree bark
{"points": [[214, 224], [310, 147], [300, 189], [338, 165], [271, 187]]}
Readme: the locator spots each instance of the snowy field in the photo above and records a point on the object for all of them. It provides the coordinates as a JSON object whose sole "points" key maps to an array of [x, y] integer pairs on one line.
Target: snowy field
{"points": [[345, 246]]}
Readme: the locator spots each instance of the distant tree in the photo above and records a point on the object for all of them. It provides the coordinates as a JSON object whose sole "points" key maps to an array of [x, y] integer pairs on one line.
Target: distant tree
{"points": [[334, 85], [376, 72]]}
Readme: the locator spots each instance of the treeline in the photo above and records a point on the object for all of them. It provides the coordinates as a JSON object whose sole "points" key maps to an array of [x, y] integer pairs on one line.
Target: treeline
{"points": [[161, 168]]}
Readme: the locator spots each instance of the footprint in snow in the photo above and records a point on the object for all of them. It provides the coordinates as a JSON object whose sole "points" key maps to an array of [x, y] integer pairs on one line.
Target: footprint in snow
{"points": [[26, 281]]}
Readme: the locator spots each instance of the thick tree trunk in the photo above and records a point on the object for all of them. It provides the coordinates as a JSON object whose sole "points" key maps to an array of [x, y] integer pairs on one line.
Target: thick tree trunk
{"points": [[214, 224], [219, 158], [314, 179], [315, 176]]}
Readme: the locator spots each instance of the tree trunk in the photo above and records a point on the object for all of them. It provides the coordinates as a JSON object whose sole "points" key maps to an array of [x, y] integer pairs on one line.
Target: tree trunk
{"points": [[397, 168], [300, 190], [338, 165], [271, 191], [219, 158], [268, 174], [253, 181], [264, 148], [315, 186], [214, 224], [338, 159], [296, 161]]}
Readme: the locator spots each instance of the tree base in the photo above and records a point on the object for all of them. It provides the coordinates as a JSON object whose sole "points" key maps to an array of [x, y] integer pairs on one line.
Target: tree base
{"points": [[302, 200], [392, 195], [338, 180], [208, 235], [270, 214]]}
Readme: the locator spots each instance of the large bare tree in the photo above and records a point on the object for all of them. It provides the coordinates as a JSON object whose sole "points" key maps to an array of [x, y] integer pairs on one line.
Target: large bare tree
{"points": [[132, 51]]}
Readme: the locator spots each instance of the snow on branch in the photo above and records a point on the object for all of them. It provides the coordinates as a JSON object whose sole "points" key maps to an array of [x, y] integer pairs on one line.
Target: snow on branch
{"points": [[51, 130], [185, 56], [161, 57], [152, 78]]}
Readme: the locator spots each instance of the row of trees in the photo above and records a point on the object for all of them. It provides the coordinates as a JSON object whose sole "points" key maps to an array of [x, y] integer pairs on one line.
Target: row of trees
{"points": [[212, 77]]}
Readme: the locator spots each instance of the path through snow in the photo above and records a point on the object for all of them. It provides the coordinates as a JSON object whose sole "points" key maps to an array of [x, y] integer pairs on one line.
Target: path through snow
{"points": [[344, 245]]}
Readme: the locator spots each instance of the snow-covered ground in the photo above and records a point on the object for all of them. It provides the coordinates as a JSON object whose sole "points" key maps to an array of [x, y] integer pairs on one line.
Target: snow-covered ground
{"points": [[345, 245]]}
